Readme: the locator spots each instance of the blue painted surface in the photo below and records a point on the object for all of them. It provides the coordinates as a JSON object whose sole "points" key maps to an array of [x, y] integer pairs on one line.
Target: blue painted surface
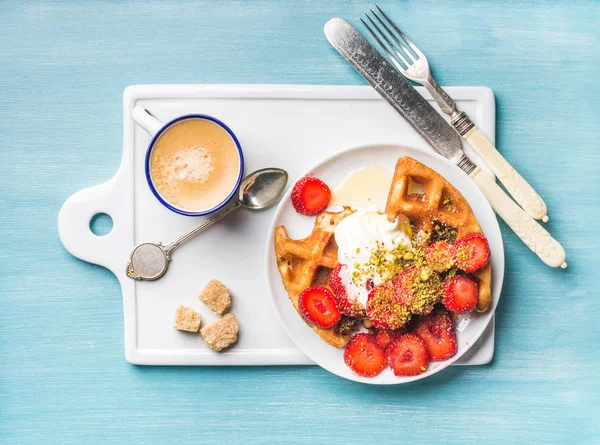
{"points": [[63, 377]]}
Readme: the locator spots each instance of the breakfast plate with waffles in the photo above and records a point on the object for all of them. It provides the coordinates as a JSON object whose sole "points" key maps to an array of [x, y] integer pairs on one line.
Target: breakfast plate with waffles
{"points": [[384, 263]]}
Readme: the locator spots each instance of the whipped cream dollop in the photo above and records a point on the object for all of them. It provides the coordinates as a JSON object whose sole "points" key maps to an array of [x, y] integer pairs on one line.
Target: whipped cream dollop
{"points": [[358, 236]]}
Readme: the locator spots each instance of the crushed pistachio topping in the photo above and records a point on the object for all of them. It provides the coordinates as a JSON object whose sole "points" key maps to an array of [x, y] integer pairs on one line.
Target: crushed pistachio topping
{"points": [[346, 325], [450, 274], [448, 204], [424, 291], [443, 232], [462, 254], [421, 238], [383, 262]]}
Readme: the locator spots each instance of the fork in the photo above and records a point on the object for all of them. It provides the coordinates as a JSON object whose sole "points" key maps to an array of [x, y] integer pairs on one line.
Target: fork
{"points": [[413, 64]]}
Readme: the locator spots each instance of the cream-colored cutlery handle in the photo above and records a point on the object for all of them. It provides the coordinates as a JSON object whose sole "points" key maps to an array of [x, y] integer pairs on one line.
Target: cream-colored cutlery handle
{"points": [[520, 189], [530, 231]]}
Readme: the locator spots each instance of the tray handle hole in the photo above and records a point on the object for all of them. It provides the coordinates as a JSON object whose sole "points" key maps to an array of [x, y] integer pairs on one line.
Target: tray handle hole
{"points": [[101, 224]]}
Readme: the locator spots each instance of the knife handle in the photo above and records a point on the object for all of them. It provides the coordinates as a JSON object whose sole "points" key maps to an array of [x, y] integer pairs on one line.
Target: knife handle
{"points": [[530, 231], [520, 189]]}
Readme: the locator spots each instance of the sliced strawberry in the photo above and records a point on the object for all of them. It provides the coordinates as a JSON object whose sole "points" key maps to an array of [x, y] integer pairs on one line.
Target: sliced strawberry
{"points": [[404, 282], [471, 252], [385, 310], [439, 256], [310, 195], [335, 281], [350, 308], [460, 294], [437, 333], [384, 337], [363, 356], [318, 306], [407, 355], [418, 288]]}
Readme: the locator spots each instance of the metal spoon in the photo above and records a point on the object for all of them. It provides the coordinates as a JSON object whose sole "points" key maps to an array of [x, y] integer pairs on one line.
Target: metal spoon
{"points": [[259, 190]]}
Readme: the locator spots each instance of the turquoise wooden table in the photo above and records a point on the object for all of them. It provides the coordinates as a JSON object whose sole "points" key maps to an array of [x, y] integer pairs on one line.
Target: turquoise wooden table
{"points": [[63, 375]]}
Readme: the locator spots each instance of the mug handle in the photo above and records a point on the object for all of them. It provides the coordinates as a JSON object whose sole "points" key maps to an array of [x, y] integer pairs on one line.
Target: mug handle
{"points": [[146, 120]]}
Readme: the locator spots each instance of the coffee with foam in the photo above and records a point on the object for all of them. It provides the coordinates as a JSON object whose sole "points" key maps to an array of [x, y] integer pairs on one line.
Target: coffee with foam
{"points": [[194, 165]]}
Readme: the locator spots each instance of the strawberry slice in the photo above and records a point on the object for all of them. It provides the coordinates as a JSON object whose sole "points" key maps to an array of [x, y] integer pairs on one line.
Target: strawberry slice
{"points": [[317, 305], [407, 355], [385, 310], [460, 294], [350, 308], [438, 335], [384, 337], [439, 256], [471, 252], [403, 284], [310, 195], [418, 289], [363, 356]]}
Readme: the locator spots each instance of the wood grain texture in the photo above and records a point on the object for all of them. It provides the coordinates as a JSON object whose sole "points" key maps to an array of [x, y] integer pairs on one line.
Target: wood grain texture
{"points": [[63, 377]]}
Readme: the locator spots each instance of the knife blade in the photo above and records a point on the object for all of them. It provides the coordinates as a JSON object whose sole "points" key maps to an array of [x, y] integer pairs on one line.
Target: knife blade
{"points": [[413, 107]]}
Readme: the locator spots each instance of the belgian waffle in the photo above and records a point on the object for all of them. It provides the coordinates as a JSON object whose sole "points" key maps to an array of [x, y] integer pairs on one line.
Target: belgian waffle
{"points": [[440, 205], [308, 262]]}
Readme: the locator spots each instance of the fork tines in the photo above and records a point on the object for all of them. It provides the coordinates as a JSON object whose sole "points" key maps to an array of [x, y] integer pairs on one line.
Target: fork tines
{"points": [[397, 45]]}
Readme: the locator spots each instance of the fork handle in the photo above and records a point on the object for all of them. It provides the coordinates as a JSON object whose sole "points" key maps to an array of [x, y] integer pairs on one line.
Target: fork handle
{"points": [[529, 230], [520, 189]]}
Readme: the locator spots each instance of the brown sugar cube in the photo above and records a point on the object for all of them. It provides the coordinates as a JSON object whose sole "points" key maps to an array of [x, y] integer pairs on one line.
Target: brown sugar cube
{"points": [[222, 333], [186, 319], [216, 296]]}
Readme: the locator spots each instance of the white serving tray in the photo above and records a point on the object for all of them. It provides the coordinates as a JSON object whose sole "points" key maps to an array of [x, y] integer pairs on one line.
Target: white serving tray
{"points": [[287, 126]]}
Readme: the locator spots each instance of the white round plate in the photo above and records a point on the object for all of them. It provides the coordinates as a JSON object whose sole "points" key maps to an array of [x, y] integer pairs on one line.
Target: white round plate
{"points": [[332, 171]]}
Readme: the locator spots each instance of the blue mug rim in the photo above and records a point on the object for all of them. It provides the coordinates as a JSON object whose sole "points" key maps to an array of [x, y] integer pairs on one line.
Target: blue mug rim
{"points": [[151, 147]]}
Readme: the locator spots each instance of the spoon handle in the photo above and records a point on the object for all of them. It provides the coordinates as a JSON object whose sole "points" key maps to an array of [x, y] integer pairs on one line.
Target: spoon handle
{"points": [[209, 221]]}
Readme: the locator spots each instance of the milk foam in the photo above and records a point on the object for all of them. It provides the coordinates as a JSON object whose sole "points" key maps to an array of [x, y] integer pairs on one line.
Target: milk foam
{"points": [[194, 165]]}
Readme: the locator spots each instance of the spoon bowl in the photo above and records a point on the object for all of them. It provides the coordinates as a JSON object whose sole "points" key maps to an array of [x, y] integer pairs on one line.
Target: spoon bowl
{"points": [[259, 190], [263, 188]]}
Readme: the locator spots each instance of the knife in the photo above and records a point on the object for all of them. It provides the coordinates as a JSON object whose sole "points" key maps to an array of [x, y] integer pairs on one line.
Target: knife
{"points": [[405, 99]]}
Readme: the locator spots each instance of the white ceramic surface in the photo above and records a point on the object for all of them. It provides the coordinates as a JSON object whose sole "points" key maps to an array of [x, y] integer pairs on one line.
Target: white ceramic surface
{"points": [[288, 126], [332, 171]]}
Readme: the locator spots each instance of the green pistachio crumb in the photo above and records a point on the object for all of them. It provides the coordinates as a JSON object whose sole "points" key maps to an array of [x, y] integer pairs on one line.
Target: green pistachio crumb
{"points": [[425, 273]]}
